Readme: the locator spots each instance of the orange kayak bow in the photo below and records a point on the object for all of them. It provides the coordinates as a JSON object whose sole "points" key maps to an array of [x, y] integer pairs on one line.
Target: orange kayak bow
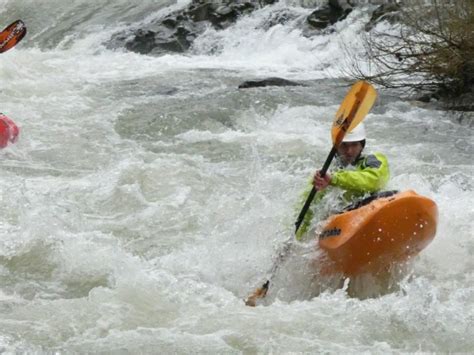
{"points": [[385, 231]]}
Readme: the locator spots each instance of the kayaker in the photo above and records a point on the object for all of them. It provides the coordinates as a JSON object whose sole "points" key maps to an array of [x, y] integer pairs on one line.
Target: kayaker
{"points": [[356, 174], [9, 131]]}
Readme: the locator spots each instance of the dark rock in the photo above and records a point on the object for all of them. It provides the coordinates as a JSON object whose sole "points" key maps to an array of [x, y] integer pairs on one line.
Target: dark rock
{"points": [[424, 98], [263, 3], [144, 42], [177, 40], [268, 82], [224, 10], [170, 22], [177, 31], [280, 17], [341, 5], [200, 12], [387, 12], [219, 14], [329, 14], [464, 102], [428, 96]]}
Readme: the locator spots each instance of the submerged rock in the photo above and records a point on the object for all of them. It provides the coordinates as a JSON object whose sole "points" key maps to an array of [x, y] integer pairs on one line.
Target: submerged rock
{"points": [[268, 82], [385, 12]]}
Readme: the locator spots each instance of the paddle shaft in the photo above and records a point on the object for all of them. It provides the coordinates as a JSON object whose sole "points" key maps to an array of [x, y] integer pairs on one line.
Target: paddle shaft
{"points": [[311, 195]]}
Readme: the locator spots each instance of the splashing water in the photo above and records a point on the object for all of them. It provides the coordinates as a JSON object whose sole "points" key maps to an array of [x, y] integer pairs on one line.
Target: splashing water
{"points": [[147, 195]]}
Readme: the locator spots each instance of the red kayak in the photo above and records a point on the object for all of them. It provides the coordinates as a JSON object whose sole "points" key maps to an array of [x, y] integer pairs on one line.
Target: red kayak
{"points": [[9, 131]]}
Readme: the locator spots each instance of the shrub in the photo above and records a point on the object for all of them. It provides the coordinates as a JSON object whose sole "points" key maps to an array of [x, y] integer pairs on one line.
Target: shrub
{"points": [[430, 49]]}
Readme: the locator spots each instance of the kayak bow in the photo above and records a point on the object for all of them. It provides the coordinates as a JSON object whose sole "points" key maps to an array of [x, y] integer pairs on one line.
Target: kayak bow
{"points": [[385, 231]]}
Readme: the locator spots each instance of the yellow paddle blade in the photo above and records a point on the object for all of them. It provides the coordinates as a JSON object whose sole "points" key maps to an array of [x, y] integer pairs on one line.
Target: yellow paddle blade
{"points": [[357, 103]]}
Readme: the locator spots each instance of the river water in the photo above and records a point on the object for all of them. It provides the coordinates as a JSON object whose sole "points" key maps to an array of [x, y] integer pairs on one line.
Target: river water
{"points": [[147, 196]]}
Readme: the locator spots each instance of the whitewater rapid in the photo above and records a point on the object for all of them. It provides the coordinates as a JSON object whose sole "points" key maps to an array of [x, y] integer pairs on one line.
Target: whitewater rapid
{"points": [[147, 196]]}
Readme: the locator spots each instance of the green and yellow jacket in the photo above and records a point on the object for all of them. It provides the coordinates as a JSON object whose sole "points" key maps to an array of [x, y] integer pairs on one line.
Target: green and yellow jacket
{"points": [[370, 173]]}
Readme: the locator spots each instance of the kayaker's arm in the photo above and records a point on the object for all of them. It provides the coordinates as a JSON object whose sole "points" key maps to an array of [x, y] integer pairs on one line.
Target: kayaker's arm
{"points": [[309, 214], [370, 176]]}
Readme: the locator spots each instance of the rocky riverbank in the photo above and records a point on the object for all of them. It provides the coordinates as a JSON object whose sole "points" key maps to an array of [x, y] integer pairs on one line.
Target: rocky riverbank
{"points": [[177, 31]]}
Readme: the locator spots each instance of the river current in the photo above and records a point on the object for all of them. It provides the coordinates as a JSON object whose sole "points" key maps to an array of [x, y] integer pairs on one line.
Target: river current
{"points": [[147, 196]]}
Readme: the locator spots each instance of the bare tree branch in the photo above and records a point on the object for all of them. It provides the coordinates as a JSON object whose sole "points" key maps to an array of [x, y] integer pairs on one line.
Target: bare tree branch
{"points": [[431, 49]]}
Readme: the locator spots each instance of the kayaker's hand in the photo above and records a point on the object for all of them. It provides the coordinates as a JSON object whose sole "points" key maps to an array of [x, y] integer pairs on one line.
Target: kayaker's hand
{"points": [[321, 182]]}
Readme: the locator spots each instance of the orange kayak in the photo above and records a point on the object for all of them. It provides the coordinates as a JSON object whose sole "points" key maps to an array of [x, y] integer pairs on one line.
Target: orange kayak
{"points": [[382, 232]]}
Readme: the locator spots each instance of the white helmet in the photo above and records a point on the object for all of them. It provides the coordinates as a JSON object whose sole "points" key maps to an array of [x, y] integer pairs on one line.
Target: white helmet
{"points": [[356, 135]]}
